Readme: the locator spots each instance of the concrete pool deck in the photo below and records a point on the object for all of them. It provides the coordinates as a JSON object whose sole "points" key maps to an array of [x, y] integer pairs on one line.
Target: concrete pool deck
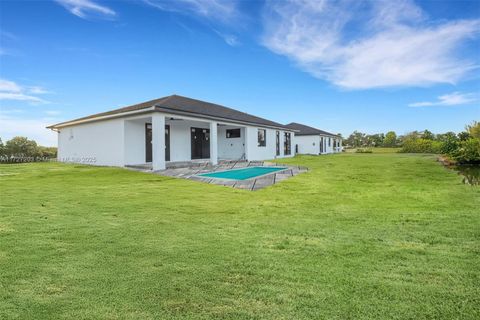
{"points": [[255, 183]]}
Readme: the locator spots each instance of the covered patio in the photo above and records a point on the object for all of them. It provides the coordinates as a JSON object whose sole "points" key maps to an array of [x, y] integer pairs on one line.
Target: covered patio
{"points": [[159, 141]]}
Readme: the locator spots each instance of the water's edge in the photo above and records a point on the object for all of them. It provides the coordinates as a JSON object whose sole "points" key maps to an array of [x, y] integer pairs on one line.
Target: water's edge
{"points": [[469, 172]]}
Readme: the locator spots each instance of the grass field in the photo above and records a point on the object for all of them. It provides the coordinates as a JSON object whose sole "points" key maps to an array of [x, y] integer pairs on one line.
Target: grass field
{"points": [[376, 150], [380, 236]]}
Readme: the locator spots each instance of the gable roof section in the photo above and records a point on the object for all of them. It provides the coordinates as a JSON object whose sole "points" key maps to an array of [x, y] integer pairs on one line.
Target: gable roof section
{"points": [[176, 104], [304, 130]]}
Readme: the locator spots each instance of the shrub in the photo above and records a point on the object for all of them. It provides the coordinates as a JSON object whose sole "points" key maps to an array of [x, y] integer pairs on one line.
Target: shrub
{"points": [[421, 146], [360, 150], [474, 129], [47, 152], [390, 139], [463, 136], [468, 151], [449, 144]]}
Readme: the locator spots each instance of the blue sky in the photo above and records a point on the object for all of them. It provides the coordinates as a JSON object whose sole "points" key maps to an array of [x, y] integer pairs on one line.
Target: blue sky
{"points": [[340, 65]]}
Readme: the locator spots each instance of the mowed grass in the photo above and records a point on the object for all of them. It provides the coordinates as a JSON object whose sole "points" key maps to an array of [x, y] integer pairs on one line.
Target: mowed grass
{"points": [[375, 150], [360, 236]]}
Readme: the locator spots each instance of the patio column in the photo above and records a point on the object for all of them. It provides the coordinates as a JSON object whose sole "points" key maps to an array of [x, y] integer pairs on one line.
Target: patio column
{"points": [[158, 142], [247, 143], [213, 143]]}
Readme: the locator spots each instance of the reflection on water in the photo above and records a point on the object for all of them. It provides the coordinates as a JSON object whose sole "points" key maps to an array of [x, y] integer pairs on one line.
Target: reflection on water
{"points": [[470, 173]]}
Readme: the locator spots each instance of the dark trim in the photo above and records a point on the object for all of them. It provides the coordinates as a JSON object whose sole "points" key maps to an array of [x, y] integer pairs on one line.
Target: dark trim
{"points": [[167, 142], [200, 143], [287, 143], [234, 133], [148, 142], [262, 143], [277, 143]]}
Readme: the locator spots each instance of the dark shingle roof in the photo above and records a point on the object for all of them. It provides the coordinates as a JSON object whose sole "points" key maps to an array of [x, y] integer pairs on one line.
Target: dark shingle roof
{"points": [[306, 130], [176, 104]]}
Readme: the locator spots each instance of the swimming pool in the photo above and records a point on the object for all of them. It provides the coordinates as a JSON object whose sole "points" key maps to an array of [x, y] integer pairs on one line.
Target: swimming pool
{"points": [[242, 174]]}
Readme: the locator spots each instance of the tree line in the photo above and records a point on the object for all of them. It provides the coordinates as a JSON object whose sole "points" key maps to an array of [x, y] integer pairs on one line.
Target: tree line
{"points": [[361, 140], [463, 147], [21, 149]]}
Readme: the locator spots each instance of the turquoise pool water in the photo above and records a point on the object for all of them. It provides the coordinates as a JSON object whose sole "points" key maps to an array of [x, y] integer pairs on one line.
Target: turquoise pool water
{"points": [[242, 174]]}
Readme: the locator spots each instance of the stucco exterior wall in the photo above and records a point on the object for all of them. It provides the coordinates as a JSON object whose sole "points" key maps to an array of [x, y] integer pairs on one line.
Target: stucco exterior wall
{"points": [[98, 143], [180, 138], [312, 144], [308, 144], [255, 152], [230, 148], [121, 141], [134, 142]]}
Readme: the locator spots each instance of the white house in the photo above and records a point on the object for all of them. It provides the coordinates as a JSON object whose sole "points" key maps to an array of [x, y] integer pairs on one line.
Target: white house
{"points": [[310, 140], [169, 130]]}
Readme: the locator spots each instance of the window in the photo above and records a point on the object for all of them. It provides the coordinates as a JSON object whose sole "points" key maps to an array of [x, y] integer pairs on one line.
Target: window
{"points": [[262, 137], [287, 145], [329, 142], [278, 143], [233, 133]]}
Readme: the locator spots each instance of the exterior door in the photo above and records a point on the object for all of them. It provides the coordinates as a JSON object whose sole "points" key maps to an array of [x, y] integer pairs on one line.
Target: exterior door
{"points": [[321, 144], [148, 142], [200, 140]]}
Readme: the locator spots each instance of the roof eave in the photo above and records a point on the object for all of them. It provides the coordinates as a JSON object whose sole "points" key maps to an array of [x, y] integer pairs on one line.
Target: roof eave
{"points": [[160, 108], [99, 118]]}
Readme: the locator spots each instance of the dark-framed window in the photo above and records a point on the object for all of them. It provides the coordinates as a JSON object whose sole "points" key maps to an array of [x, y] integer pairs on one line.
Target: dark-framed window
{"points": [[233, 133], [262, 137], [287, 144], [277, 144]]}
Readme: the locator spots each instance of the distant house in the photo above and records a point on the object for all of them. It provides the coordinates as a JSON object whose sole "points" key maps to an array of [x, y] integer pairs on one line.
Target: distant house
{"points": [[311, 140], [171, 129]]}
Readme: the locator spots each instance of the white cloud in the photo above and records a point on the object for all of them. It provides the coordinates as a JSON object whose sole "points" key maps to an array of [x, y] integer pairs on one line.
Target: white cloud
{"points": [[9, 90], [20, 97], [82, 8], [9, 86], [218, 13], [369, 44], [452, 99], [212, 9], [37, 90], [31, 128]]}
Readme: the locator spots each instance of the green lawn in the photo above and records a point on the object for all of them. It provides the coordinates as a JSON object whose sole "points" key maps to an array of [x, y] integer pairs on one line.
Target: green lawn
{"points": [[381, 236], [375, 150]]}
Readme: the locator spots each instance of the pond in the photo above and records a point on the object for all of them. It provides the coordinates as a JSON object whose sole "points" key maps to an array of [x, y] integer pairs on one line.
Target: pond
{"points": [[470, 173]]}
